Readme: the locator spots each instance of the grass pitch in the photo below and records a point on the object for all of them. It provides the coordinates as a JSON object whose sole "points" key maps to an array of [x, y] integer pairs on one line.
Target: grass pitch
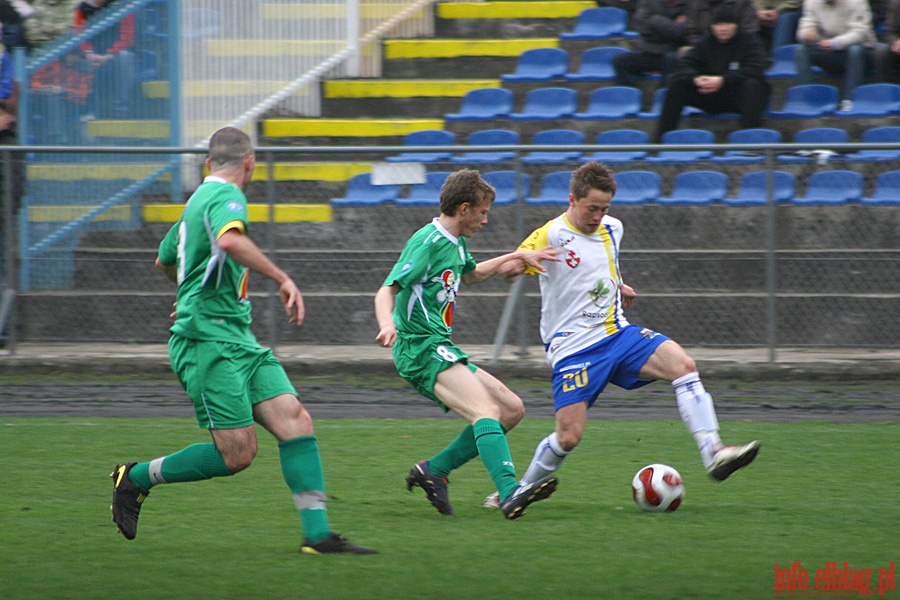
{"points": [[818, 493]]}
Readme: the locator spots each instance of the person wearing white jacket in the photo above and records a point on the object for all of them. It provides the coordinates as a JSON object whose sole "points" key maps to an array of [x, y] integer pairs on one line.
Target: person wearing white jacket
{"points": [[837, 36]]}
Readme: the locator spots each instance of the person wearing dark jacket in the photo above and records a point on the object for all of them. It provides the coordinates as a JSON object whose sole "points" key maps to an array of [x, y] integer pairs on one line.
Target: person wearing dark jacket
{"points": [[723, 72], [663, 28]]}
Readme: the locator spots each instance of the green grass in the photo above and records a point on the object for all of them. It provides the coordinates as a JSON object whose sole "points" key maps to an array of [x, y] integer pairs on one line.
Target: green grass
{"points": [[817, 493]]}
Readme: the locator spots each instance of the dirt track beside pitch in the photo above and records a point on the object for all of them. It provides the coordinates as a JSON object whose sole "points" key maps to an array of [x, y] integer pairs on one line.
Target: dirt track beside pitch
{"points": [[379, 396]]}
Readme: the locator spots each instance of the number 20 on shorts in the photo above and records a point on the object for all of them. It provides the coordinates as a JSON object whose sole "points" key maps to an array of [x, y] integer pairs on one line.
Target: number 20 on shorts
{"points": [[573, 381]]}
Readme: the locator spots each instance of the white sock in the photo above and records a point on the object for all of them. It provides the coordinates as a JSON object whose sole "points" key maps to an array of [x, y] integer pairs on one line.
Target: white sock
{"points": [[698, 414], [548, 457]]}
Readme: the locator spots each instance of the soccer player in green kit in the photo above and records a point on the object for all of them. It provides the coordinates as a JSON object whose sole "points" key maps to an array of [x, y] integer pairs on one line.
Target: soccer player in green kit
{"points": [[414, 309], [231, 379]]}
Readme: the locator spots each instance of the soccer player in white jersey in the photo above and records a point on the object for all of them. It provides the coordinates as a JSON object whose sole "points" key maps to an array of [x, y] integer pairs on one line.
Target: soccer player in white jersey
{"points": [[590, 343]]}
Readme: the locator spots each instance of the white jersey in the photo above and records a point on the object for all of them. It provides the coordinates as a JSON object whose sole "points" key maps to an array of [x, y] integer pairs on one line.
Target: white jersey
{"points": [[580, 299]]}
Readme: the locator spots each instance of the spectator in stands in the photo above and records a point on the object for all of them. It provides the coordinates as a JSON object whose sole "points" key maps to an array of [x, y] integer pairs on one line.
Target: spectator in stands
{"points": [[110, 52], [663, 28], [700, 17], [777, 22], [722, 72], [12, 17], [7, 77], [61, 90], [837, 36], [887, 55]]}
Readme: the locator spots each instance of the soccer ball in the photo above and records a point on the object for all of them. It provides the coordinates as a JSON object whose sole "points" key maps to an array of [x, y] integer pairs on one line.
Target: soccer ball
{"points": [[657, 488]]}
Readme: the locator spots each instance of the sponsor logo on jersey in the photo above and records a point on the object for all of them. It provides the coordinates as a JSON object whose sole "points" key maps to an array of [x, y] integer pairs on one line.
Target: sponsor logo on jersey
{"points": [[235, 206], [447, 294], [565, 239], [407, 267]]}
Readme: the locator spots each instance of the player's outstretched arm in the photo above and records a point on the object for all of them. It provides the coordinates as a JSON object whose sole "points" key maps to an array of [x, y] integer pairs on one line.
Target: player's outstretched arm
{"points": [[385, 298], [242, 249], [511, 264]]}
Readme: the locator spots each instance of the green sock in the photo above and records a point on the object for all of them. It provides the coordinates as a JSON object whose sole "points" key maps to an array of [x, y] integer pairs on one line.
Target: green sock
{"points": [[197, 462], [301, 466], [494, 451], [459, 452]]}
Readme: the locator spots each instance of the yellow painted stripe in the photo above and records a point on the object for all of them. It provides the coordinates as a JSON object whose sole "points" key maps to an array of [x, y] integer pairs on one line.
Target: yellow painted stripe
{"points": [[405, 88], [59, 214], [78, 172], [312, 171], [202, 89], [373, 10], [256, 213], [512, 10], [394, 49], [346, 127], [147, 129], [238, 48]]}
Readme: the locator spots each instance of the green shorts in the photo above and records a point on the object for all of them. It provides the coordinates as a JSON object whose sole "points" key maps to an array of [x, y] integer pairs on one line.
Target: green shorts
{"points": [[225, 380], [420, 358]]}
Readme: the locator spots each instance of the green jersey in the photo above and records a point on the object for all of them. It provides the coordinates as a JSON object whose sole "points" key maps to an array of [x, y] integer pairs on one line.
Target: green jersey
{"points": [[212, 299], [428, 272]]}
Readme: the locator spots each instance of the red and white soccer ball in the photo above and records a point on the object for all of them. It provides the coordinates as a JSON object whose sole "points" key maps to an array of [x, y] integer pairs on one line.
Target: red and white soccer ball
{"points": [[657, 488]]}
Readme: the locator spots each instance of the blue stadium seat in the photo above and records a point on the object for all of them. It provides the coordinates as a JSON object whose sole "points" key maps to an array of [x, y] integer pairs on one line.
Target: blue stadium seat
{"points": [[489, 137], [637, 187], [885, 134], [484, 104], [754, 189], [808, 102], [873, 100], [887, 191], [747, 136], [426, 137], [504, 183], [697, 188], [361, 192], [614, 102], [600, 24], [554, 189], [560, 137], [620, 136], [425, 194], [831, 188], [814, 135], [596, 64], [784, 63], [659, 96], [547, 104], [539, 64], [684, 136]]}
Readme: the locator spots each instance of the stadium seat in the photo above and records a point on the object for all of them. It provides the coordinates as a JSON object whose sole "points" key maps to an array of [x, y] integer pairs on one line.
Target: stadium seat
{"points": [[596, 64], [873, 100], [614, 102], [697, 188], [659, 96], [426, 137], [815, 135], [874, 135], [361, 192], [636, 187], [489, 137], [539, 64], [831, 188], [619, 136], [887, 190], [425, 194], [808, 102], [504, 183], [747, 136], [547, 104], [684, 136], [600, 24], [554, 189], [484, 104], [754, 189], [559, 137], [784, 63]]}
